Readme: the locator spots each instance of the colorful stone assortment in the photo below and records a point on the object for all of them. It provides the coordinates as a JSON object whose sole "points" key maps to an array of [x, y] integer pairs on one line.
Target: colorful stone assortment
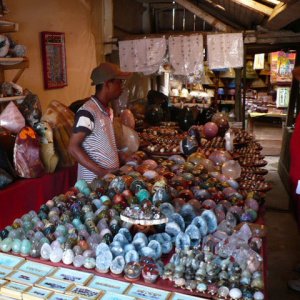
{"points": [[202, 208]]}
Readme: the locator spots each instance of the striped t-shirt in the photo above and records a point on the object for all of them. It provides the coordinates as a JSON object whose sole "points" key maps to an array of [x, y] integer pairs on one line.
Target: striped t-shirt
{"points": [[99, 144]]}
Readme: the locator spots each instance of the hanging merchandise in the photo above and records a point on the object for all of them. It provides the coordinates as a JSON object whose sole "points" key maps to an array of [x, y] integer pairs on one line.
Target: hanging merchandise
{"points": [[225, 50], [283, 96], [143, 55], [186, 54], [282, 64], [259, 61]]}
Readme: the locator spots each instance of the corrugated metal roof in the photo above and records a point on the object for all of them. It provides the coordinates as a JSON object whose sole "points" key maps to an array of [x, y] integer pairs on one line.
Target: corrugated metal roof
{"points": [[237, 14]]}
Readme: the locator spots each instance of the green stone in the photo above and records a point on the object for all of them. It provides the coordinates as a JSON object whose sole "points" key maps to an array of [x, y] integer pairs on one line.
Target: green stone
{"points": [[142, 195], [62, 229], [62, 239], [6, 244], [44, 240], [16, 246], [76, 222], [27, 225], [25, 247]]}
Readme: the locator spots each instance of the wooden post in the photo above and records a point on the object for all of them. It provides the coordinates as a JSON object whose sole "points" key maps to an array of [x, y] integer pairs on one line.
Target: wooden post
{"points": [[238, 107]]}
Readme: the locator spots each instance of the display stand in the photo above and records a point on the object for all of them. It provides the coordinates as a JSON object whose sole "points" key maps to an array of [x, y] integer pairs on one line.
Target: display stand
{"points": [[29, 194], [11, 63]]}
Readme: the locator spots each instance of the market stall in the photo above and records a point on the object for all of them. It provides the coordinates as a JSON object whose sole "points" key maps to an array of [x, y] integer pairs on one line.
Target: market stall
{"points": [[189, 223]]}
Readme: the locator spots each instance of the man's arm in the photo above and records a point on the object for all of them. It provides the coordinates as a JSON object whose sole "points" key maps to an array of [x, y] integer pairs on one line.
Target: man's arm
{"points": [[76, 150]]}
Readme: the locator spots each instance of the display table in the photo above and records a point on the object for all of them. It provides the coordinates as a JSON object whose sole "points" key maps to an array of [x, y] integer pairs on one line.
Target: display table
{"points": [[29, 194], [272, 114]]}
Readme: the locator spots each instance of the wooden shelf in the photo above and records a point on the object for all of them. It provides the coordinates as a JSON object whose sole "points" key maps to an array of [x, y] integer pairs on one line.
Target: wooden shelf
{"points": [[13, 98], [6, 26], [8, 63], [11, 63], [227, 102], [179, 105]]}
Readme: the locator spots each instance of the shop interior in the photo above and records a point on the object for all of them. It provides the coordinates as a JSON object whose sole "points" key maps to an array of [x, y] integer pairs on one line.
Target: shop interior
{"points": [[206, 203]]}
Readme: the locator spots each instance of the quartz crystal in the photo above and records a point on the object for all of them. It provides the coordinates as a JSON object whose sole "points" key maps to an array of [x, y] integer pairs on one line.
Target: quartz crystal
{"points": [[46, 251], [103, 260], [56, 255], [131, 255], [68, 257], [89, 263], [117, 265], [78, 261]]}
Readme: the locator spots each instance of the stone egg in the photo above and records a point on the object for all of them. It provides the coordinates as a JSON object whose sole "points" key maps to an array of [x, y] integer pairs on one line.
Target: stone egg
{"points": [[117, 184], [137, 185], [235, 293], [150, 163], [68, 257], [161, 195]]}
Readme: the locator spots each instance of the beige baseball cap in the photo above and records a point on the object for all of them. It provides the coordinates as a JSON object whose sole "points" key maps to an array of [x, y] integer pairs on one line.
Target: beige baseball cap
{"points": [[107, 71]]}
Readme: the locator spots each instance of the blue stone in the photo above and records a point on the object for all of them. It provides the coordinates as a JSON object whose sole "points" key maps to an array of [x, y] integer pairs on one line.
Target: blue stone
{"points": [[166, 247], [116, 249], [102, 247], [194, 233], [141, 235], [129, 247], [211, 220], [201, 224], [173, 230], [149, 252], [188, 213], [132, 255], [167, 209], [103, 260], [156, 247], [121, 238], [183, 241], [177, 218], [117, 265], [126, 233], [139, 243]]}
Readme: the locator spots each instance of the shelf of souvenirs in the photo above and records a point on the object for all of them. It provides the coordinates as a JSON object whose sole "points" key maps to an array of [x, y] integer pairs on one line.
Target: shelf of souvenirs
{"points": [[267, 111], [12, 98], [8, 26], [226, 102], [181, 102], [13, 63]]}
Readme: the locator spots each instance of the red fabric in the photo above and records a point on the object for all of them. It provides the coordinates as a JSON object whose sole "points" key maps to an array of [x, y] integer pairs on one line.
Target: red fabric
{"points": [[295, 164], [29, 194]]}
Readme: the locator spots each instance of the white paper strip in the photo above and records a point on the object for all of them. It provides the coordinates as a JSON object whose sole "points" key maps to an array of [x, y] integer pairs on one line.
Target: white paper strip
{"points": [[225, 50], [143, 55], [259, 61], [186, 54]]}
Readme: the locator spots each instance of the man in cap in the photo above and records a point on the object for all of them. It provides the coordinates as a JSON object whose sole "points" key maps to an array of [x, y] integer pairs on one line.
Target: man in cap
{"points": [[92, 142]]}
